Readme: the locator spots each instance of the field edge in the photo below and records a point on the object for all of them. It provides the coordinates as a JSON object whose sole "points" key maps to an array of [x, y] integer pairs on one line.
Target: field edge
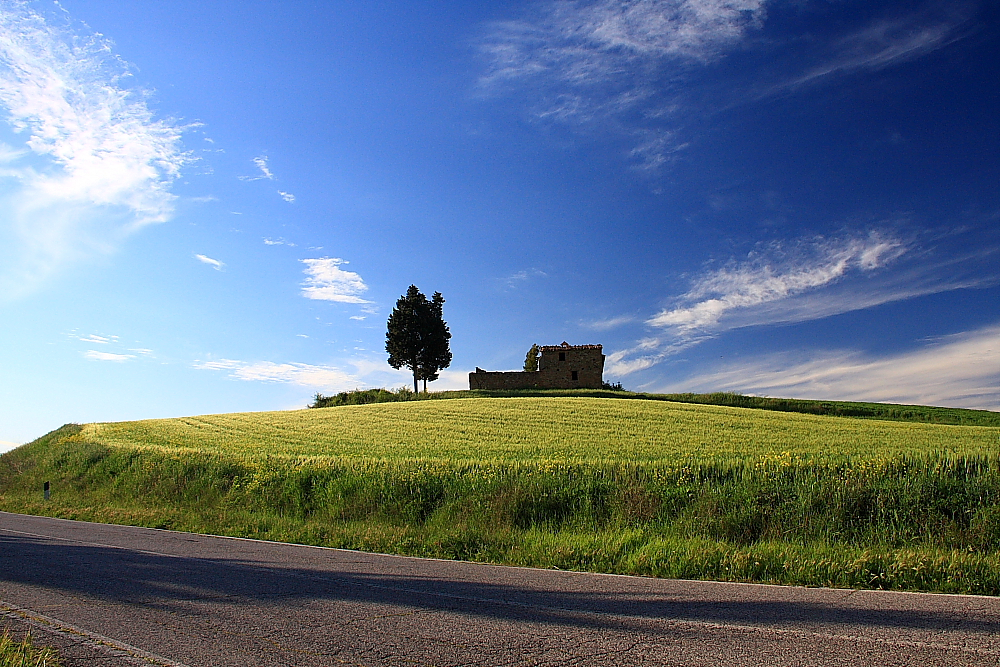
{"points": [[916, 524]]}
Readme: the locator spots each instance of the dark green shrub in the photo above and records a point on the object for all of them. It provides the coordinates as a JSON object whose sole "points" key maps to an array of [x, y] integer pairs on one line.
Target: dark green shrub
{"points": [[363, 397]]}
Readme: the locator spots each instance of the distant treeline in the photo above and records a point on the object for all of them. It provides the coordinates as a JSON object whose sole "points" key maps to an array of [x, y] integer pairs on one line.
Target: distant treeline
{"points": [[888, 411]]}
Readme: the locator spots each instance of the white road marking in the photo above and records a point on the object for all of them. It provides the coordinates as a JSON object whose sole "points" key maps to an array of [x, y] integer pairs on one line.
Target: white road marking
{"points": [[130, 654]]}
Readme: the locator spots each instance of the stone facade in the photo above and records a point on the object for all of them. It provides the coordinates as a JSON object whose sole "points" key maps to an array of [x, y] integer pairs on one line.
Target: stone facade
{"points": [[503, 379], [559, 367]]}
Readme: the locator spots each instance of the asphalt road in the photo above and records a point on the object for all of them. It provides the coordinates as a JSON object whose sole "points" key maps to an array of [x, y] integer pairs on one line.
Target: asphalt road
{"points": [[117, 595]]}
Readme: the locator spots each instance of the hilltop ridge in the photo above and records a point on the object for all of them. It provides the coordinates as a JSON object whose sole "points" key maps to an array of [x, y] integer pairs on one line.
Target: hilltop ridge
{"points": [[888, 411]]}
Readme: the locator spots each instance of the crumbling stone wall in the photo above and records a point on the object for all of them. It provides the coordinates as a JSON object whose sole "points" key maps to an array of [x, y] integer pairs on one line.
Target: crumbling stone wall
{"points": [[571, 366], [559, 367], [503, 379]]}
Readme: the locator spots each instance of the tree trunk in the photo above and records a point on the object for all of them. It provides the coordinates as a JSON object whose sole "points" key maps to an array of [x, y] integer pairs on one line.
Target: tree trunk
{"points": [[425, 385], [416, 387]]}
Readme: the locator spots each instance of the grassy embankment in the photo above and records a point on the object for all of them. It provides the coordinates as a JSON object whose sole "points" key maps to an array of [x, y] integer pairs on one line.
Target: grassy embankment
{"points": [[631, 486]]}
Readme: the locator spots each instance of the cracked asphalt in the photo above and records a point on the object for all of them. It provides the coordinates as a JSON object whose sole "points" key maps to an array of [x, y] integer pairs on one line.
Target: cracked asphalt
{"points": [[117, 595]]}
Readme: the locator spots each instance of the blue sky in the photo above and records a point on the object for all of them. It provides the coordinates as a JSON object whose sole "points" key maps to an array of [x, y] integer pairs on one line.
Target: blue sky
{"points": [[213, 206]]}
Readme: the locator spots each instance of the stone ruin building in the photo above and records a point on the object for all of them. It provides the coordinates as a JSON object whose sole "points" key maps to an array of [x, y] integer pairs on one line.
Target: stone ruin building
{"points": [[559, 367]]}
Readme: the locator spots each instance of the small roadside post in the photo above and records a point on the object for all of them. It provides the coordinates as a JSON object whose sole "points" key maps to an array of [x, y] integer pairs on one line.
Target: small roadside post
{"points": [[45, 490]]}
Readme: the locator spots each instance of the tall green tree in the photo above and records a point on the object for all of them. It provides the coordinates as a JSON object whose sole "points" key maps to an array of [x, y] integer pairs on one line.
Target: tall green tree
{"points": [[531, 359], [418, 337], [437, 350]]}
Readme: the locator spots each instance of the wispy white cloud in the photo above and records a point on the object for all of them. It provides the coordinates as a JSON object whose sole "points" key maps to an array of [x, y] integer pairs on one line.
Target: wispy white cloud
{"points": [[610, 323], [95, 164], [94, 338], [265, 173], [885, 43], [305, 375], [10, 154], [962, 370], [656, 148], [771, 276], [356, 373], [328, 378], [214, 263], [112, 342], [107, 356], [799, 282], [261, 163], [279, 241], [643, 68], [326, 281], [586, 43], [646, 353], [218, 364], [584, 62], [519, 278]]}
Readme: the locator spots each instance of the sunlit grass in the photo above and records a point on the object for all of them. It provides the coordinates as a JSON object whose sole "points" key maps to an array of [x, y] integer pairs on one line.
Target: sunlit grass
{"points": [[537, 429], [627, 486], [24, 653]]}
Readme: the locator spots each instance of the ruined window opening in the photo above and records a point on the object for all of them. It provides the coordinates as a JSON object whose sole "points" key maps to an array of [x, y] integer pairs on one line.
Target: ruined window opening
{"points": [[562, 356], [575, 375]]}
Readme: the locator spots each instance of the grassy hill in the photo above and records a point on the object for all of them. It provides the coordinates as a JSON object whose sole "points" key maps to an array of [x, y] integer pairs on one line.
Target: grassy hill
{"points": [[570, 429], [576, 482]]}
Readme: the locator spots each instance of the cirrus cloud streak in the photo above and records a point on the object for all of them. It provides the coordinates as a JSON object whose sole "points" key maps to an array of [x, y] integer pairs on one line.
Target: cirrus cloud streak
{"points": [[107, 356], [808, 280], [613, 62], [772, 276], [962, 370], [214, 263], [306, 375]]}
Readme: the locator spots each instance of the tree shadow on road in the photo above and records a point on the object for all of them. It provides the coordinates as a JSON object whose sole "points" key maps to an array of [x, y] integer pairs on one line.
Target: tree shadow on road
{"points": [[156, 580]]}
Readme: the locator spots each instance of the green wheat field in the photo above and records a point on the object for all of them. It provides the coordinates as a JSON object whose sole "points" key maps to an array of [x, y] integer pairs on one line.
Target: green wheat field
{"points": [[647, 487], [578, 430]]}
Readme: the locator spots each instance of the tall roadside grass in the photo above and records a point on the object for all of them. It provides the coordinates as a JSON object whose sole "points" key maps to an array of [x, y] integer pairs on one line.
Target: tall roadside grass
{"points": [[922, 521], [25, 653]]}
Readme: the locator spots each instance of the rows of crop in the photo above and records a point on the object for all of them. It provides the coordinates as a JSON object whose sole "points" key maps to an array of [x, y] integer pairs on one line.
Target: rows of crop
{"points": [[884, 411], [532, 429]]}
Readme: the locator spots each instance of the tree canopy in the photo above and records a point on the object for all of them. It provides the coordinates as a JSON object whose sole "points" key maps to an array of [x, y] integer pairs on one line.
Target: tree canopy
{"points": [[531, 359], [418, 337]]}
